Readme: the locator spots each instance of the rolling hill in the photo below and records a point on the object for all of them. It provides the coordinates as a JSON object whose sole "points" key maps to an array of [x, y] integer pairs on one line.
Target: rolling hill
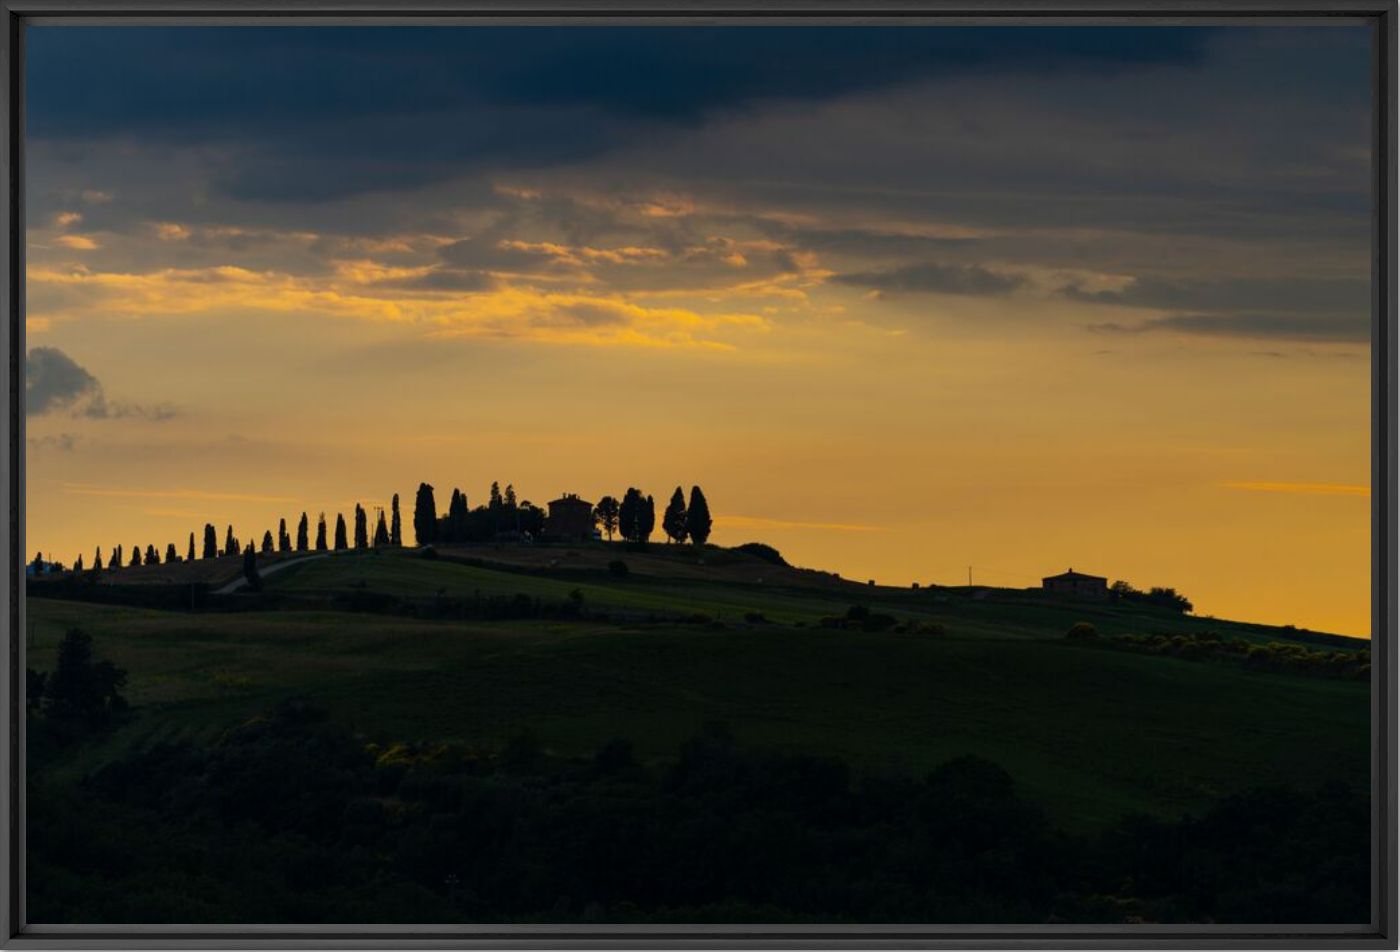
{"points": [[480, 645]]}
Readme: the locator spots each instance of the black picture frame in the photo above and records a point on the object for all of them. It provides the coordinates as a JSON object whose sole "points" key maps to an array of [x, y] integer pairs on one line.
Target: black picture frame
{"points": [[1381, 15]]}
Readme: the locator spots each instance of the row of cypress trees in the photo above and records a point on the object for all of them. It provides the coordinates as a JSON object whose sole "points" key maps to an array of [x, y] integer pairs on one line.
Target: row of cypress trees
{"points": [[633, 518], [388, 532]]}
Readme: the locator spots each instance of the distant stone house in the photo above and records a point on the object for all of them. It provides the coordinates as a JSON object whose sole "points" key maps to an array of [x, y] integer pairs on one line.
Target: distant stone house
{"points": [[570, 518], [1076, 585]]}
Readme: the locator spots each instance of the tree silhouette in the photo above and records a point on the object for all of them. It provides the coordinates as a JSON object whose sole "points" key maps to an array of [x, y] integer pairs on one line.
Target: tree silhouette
{"points": [[250, 567], [135, 555], [395, 526], [457, 518], [697, 519], [116, 562], [425, 515], [512, 508], [673, 520], [82, 690], [628, 512], [78, 563], [189, 557], [211, 542], [381, 531], [284, 538], [301, 534], [97, 559], [497, 502], [321, 533], [606, 512], [646, 519], [231, 546], [340, 543], [152, 556], [361, 528], [170, 554], [267, 547]]}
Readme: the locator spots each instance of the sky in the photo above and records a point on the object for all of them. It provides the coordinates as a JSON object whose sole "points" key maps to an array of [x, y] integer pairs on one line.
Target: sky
{"points": [[905, 301]]}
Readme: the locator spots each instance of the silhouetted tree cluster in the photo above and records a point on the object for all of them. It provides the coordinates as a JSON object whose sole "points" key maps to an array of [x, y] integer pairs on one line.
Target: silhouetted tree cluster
{"points": [[1168, 598], [82, 691], [503, 516]]}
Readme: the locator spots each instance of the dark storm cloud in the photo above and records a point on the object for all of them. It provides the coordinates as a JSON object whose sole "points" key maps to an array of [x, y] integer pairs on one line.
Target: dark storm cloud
{"points": [[324, 113], [488, 254], [1328, 295], [1286, 308], [53, 381], [934, 278], [443, 279], [1322, 328]]}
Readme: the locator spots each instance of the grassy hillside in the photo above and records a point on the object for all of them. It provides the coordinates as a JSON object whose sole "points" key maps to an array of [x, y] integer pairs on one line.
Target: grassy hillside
{"points": [[1092, 734]]}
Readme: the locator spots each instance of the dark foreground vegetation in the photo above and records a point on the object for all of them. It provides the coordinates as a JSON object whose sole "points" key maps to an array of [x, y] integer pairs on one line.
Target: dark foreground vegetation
{"points": [[1275, 656], [290, 818]]}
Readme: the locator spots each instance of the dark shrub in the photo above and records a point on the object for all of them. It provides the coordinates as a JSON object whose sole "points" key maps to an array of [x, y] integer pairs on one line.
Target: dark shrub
{"points": [[765, 552]]}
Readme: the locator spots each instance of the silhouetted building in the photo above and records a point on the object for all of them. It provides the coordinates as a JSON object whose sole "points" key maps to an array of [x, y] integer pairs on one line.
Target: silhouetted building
{"points": [[1076, 585], [570, 518]]}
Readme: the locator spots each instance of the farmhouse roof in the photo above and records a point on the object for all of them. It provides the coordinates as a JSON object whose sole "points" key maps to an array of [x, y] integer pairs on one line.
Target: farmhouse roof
{"points": [[1072, 575]]}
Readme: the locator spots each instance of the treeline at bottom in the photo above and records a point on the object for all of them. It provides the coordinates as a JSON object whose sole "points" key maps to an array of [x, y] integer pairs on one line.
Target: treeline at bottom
{"points": [[291, 818]]}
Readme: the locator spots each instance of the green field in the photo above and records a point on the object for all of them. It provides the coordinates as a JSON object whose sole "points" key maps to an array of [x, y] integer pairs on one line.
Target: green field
{"points": [[1090, 733]]}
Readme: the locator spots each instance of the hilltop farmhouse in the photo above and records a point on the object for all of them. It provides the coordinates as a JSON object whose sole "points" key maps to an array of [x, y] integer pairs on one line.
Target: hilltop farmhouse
{"points": [[1076, 585], [570, 518]]}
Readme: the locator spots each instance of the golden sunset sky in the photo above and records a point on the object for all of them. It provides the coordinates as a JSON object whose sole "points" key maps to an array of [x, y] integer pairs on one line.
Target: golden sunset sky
{"points": [[901, 301]]}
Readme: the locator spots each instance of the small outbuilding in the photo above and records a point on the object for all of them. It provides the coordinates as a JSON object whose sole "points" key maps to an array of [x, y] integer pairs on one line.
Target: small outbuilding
{"points": [[1076, 585]]}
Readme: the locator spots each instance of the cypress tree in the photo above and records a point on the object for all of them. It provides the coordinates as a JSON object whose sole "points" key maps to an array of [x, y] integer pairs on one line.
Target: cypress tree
{"points": [[628, 512], [381, 531], [458, 518], [361, 528], [231, 546], [395, 525], [321, 533], [673, 520], [78, 563], [284, 538], [170, 554], [340, 543], [301, 534], [97, 560], [135, 555], [211, 542], [425, 515], [267, 548], [116, 562], [250, 566], [189, 557], [697, 520], [646, 519], [152, 556]]}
